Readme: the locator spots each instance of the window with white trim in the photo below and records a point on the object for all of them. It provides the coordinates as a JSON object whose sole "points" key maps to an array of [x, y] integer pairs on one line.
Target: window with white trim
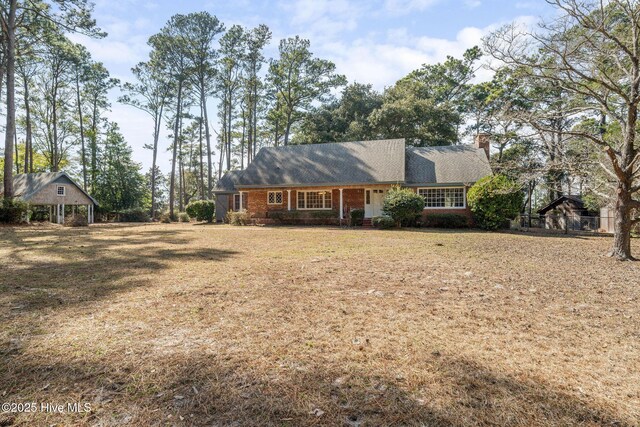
{"points": [[453, 198], [274, 197], [61, 190], [314, 199], [236, 202]]}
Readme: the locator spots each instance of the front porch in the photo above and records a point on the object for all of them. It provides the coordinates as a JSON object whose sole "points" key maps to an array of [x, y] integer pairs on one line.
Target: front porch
{"points": [[319, 205]]}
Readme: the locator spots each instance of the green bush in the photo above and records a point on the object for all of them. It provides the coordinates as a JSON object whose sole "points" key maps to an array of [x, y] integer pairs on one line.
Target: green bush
{"points": [[323, 214], [494, 200], [76, 221], [134, 215], [202, 210], [242, 217], [14, 211], [357, 216], [403, 205], [40, 213], [446, 221], [166, 218], [383, 222], [284, 217], [184, 217]]}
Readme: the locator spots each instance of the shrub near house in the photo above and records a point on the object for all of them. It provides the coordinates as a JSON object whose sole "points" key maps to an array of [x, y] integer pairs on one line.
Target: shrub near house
{"points": [[134, 215], [403, 205], [12, 211], [201, 210], [446, 220], [494, 200]]}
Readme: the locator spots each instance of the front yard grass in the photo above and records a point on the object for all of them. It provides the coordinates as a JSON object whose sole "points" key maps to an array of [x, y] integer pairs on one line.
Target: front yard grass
{"points": [[185, 324]]}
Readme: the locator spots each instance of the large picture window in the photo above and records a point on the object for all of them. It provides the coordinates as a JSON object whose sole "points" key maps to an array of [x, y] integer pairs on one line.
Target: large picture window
{"points": [[314, 199], [443, 197]]}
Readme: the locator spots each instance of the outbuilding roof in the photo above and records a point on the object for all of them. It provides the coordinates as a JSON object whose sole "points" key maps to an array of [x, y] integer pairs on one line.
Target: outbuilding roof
{"points": [[576, 203], [26, 185], [346, 163], [227, 184], [455, 164]]}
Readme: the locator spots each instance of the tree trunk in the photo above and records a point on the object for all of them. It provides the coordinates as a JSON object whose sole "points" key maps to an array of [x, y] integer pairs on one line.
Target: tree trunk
{"points": [[249, 128], [10, 129], [625, 204], [200, 162], [94, 144], [621, 249], [172, 179], [242, 141], [156, 136], [287, 130], [15, 142], [181, 183], [255, 117], [207, 136], [28, 149], [223, 145], [229, 120], [82, 143], [54, 124]]}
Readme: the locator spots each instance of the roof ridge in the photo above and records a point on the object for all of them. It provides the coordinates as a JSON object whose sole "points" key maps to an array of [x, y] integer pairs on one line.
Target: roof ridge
{"points": [[333, 143]]}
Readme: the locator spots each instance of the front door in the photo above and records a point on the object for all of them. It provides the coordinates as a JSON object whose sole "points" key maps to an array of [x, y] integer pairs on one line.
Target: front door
{"points": [[373, 202]]}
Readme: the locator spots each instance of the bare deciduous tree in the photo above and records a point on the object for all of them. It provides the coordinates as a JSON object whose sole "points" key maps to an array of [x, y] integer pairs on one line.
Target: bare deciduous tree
{"points": [[591, 50]]}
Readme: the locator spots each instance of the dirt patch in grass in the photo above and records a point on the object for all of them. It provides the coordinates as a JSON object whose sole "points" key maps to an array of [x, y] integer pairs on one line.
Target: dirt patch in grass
{"points": [[186, 325]]}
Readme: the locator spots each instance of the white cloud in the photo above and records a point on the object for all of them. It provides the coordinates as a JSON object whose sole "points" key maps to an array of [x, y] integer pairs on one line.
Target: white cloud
{"points": [[322, 20], [113, 51], [382, 64], [403, 7], [472, 4]]}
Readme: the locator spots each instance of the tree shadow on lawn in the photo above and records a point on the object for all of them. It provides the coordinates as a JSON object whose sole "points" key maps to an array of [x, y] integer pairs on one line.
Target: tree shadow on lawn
{"points": [[79, 268], [430, 230], [211, 390]]}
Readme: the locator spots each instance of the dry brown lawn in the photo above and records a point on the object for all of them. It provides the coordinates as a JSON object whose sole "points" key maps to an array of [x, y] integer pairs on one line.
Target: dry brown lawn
{"points": [[221, 326]]}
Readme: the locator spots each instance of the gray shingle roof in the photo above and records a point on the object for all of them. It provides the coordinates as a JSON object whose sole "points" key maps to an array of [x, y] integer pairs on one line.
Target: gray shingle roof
{"points": [[227, 184], [446, 165], [359, 162], [576, 201], [25, 185]]}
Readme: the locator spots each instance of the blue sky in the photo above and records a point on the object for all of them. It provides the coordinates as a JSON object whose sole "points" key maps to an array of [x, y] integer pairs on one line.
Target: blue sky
{"points": [[375, 42]]}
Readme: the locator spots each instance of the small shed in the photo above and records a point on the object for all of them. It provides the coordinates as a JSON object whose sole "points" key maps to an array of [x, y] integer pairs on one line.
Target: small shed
{"points": [[227, 196], [54, 189], [565, 212]]}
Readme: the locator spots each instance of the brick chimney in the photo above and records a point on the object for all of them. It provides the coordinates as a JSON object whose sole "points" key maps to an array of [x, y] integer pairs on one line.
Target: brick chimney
{"points": [[483, 140]]}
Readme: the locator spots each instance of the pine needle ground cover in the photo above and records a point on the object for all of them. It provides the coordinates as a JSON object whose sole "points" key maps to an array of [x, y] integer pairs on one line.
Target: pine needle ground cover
{"points": [[183, 324]]}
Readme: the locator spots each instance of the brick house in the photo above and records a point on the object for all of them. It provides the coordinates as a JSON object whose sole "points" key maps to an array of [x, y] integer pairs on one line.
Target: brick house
{"points": [[322, 183]]}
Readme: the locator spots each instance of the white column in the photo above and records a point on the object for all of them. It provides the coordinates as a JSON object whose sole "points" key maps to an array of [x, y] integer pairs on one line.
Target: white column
{"points": [[240, 207], [341, 208], [62, 215], [288, 200]]}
